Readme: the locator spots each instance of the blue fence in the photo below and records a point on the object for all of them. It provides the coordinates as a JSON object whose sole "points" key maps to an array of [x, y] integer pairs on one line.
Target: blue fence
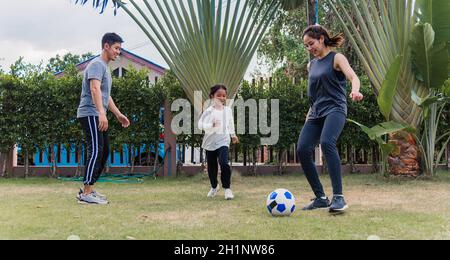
{"points": [[118, 158]]}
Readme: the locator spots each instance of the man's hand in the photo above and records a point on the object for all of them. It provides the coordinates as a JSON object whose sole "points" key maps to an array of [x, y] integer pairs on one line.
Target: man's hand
{"points": [[235, 139], [123, 120], [103, 124]]}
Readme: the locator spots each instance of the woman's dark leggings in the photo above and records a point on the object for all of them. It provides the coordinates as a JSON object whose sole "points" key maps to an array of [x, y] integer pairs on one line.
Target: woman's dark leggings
{"points": [[325, 131], [220, 155]]}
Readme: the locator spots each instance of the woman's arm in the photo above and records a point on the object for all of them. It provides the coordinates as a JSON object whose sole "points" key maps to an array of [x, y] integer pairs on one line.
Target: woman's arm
{"points": [[341, 64]]}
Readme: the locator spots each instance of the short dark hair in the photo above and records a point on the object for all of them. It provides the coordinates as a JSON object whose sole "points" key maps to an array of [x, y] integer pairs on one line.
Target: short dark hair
{"points": [[217, 88], [111, 39]]}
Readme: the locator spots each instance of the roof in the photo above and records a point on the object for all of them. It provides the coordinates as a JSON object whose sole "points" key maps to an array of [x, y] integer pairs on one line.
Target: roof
{"points": [[129, 55]]}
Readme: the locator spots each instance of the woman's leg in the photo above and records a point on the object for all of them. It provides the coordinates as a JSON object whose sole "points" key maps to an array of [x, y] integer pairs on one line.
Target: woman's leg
{"points": [[332, 129], [308, 140]]}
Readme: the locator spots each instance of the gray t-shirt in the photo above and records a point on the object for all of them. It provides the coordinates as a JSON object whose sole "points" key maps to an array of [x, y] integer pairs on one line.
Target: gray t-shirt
{"points": [[97, 69]]}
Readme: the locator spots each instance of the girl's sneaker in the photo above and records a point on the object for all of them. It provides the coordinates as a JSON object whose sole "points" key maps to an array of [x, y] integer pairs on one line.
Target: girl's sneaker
{"points": [[229, 194], [213, 192]]}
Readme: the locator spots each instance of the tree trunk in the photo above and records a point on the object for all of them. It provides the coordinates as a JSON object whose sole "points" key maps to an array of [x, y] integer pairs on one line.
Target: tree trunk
{"points": [[350, 157], [375, 161], [448, 156], [358, 156], [245, 156], [366, 156], [255, 159], [80, 161], [405, 159], [53, 160], [131, 149], [140, 156], [281, 154], [4, 158], [27, 163]]}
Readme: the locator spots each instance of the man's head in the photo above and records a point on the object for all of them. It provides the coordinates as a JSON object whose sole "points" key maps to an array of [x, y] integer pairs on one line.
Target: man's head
{"points": [[111, 45]]}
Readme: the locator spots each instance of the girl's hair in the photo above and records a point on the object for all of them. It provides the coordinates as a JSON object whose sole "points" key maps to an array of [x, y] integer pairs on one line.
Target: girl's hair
{"points": [[316, 31], [217, 88]]}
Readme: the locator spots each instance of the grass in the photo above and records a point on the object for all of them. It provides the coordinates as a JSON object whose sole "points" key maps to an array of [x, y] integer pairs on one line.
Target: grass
{"points": [[177, 209]]}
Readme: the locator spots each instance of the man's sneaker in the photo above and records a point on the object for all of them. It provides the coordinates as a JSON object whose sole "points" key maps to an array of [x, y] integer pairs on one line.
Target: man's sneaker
{"points": [[92, 199], [103, 197], [80, 192], [338, 205], [229, 194], [213, 192], [318, 203]]}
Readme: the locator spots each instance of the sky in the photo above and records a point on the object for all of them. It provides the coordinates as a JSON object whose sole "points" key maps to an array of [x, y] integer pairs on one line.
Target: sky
{"points": [[40, 29]]}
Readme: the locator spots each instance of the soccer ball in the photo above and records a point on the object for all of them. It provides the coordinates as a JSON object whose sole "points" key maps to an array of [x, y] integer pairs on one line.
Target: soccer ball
{"points": [[281, 202]]}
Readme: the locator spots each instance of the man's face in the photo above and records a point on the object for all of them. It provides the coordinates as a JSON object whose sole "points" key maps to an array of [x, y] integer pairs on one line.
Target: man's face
{"points": [[113, 51]]}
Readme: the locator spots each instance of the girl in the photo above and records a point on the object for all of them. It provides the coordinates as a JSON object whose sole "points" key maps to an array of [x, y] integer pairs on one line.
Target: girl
{"points": [[328, 73], [218, 124]]}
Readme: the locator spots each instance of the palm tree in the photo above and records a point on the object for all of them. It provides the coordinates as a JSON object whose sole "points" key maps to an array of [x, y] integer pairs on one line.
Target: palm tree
{"points": [[404, 48], [204, 42]]}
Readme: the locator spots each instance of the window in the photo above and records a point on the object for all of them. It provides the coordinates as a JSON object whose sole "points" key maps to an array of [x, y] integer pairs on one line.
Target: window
{"points": [[116, 73], [124, 72]]}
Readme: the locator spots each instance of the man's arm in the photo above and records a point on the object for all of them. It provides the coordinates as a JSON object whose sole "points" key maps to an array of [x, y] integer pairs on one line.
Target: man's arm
{"points": [[113, 108], [120, 117], [98, 102]]}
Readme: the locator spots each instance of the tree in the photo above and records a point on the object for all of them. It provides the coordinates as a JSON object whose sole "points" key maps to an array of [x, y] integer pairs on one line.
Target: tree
{"points": [[68, 91], [59, 64], [142, 103], [250, 140], [293, 111], [9, 90]]}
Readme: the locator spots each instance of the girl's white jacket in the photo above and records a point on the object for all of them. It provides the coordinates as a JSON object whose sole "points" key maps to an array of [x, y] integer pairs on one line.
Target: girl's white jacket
{"points": [[219, 136]]}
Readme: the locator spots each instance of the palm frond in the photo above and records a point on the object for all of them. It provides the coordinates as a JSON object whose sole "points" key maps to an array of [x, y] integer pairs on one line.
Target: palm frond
{"points": [[204, 42], [381, 31]]}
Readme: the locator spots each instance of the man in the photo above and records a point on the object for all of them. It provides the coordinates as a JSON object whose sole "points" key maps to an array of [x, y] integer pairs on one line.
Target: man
{"points": [[95, 101]]}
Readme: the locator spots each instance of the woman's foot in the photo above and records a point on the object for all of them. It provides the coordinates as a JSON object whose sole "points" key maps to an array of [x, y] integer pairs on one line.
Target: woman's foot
{"points": [[338, 204], [318, 203]]}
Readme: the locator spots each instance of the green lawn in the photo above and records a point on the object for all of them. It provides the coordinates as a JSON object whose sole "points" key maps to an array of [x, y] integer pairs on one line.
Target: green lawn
{"points": [[178, 209]]}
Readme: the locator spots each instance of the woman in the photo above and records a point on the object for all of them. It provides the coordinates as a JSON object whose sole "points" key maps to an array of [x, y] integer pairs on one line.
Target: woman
{"points": [[328, 75]]}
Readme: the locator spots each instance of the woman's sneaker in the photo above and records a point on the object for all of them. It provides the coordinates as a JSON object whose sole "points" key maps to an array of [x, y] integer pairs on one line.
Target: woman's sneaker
{"points": [[213, 192], [338, 205], [229, 194], [318, 203]]}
